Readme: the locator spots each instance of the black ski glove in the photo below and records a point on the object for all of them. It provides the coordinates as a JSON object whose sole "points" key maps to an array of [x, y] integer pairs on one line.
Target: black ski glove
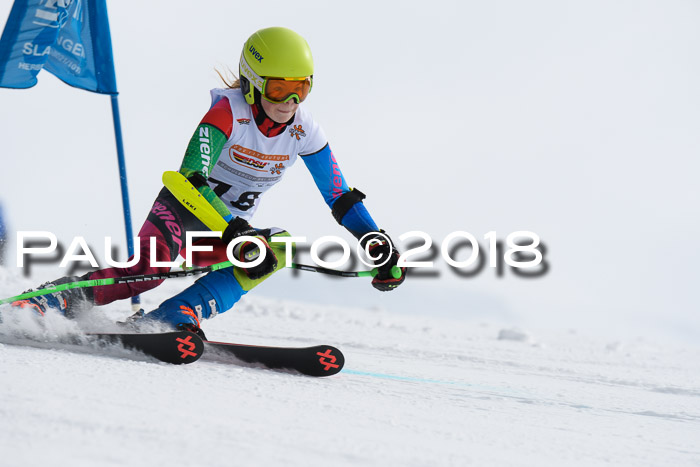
{"points": [[248, 251], [381, 246]]}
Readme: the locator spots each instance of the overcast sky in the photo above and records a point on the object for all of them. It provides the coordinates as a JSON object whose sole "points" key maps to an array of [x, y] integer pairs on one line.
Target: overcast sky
{"points": [[575, 120]]}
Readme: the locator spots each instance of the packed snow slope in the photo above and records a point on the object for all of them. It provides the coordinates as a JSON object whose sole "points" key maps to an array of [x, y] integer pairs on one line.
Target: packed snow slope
{"points": [[415, 391]]}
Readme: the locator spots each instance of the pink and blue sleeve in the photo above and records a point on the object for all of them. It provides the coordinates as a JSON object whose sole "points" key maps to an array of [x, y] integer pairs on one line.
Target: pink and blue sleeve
{"points": [[331, 183]]}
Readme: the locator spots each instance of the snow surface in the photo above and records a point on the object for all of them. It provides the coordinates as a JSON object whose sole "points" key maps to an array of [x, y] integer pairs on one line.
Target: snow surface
{"points": [[415, 391], [576, 120]]}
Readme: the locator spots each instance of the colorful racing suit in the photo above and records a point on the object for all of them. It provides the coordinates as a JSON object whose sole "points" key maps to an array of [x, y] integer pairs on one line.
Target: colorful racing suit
{"points": [[240, 153]]}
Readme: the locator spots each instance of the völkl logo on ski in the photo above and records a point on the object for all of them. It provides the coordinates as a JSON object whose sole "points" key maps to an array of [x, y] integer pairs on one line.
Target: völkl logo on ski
{"points": [[186, 352], [328, 364]]}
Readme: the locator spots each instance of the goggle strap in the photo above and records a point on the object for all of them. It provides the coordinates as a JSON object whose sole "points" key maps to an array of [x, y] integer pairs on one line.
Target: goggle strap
{"points": [[257, 80]]}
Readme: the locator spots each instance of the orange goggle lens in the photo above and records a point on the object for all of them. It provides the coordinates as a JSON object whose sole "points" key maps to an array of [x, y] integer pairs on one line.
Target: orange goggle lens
{"points": [[280, 90]]}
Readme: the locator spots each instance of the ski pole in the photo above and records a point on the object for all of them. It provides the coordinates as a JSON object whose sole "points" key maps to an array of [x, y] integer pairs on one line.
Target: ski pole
{"points": [[395, 271], [116, 280], [170, 275]]}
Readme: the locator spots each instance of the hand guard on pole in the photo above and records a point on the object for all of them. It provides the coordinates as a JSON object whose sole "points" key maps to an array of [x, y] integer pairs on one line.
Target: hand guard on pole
{"points": [[380, 247], [249, 251]]}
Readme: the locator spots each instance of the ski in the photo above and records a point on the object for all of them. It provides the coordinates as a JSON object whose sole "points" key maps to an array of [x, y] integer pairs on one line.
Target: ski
{"points": [[318, 360], [177, 347]]}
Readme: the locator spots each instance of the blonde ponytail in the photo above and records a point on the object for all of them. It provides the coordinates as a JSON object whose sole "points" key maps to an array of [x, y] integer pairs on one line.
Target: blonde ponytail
{"points": [[230, 80]]}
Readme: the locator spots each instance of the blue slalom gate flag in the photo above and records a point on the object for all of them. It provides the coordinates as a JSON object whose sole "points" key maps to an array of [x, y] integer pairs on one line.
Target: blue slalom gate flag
{"points": [[69, 38]]}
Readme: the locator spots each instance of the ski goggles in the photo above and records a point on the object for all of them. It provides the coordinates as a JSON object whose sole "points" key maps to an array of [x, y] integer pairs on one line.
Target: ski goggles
{"points": [[278, 90]]}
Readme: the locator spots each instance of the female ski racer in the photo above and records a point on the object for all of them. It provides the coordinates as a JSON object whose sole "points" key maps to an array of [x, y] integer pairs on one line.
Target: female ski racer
{"points": [[253, 132]]}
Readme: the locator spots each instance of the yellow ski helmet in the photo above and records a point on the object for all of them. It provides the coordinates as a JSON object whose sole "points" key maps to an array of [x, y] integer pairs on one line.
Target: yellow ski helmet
{"points": [[277, 62]]}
